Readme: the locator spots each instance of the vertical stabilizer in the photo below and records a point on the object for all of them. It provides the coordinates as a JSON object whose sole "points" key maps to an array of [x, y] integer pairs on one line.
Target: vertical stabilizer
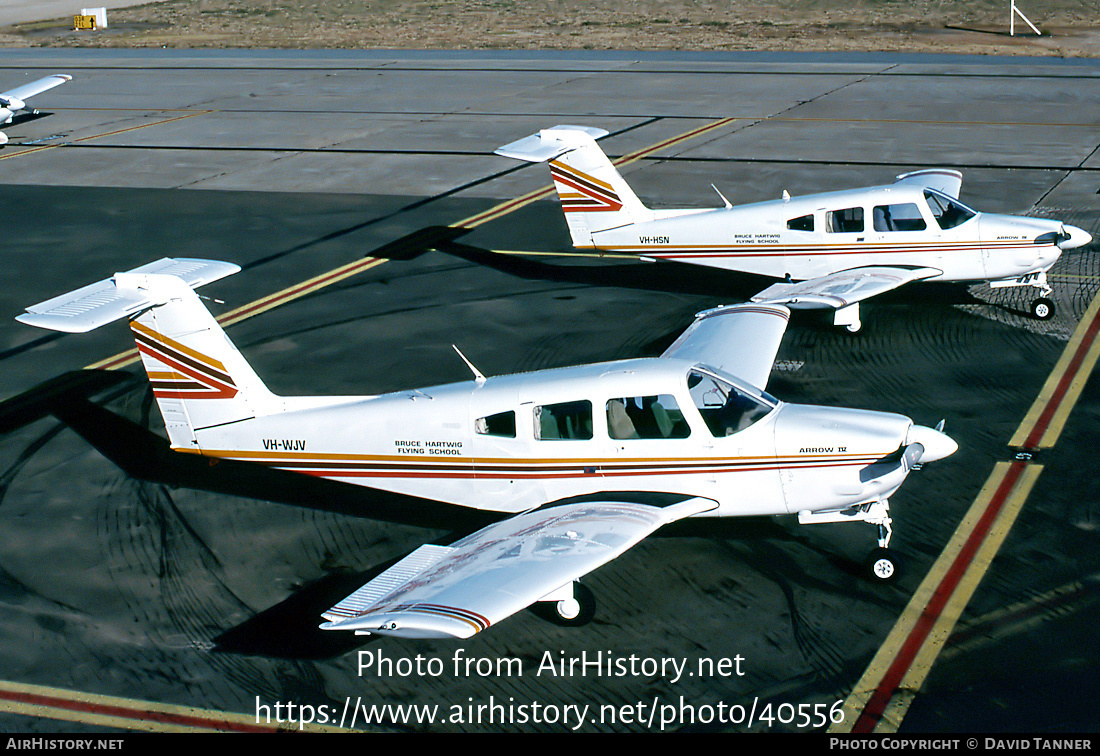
{"points": [[594, 197], [199, 378]]}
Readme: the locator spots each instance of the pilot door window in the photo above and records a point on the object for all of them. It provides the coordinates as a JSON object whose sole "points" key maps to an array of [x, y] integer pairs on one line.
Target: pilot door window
{"points": [[725, 409], [646, 417], [847, 221], [568, 421], [946, 212]]}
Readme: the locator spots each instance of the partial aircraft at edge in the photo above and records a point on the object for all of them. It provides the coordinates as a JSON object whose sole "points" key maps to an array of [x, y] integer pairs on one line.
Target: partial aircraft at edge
{"points": [[581, 463], [14, 100], [832, 250]]}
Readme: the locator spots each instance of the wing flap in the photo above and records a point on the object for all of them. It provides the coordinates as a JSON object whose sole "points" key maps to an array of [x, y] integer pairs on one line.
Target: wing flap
{"points": [[99, 303], [461, 589], [841, 289], [741, 340]]}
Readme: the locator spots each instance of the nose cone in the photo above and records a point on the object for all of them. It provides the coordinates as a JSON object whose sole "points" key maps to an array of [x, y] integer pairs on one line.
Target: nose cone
{"points": [[937, 444], [1073, 237]]}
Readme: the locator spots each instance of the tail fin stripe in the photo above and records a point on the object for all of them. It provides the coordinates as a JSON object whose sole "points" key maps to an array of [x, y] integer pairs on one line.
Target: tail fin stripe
{"points": [[561, 169], [181, 387], [192, 375], [198, 359], [595, 195], [183, 364]]}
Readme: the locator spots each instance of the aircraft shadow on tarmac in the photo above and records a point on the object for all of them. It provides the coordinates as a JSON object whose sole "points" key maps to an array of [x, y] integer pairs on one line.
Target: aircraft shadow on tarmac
{"points": [[730, 286]]}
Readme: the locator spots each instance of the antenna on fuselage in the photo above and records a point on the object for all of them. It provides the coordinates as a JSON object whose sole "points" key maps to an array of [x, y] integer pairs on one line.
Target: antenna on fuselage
{"points": [[728, 205], [477, 373]]}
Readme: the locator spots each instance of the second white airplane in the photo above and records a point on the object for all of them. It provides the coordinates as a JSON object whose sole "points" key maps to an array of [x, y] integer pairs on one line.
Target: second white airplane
{"points": [[831, 250]]}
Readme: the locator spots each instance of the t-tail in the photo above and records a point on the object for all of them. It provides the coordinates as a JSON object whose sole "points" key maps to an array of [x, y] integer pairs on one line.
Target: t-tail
{"points": [[594, 197], [198, 377]]}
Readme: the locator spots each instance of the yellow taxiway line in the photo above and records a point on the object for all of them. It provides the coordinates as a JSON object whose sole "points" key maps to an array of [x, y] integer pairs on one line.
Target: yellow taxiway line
{"points": [[129, 714], [881, 698], [45, 147]]}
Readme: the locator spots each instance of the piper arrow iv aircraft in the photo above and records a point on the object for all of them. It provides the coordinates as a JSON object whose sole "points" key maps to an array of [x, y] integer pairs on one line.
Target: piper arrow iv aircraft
{"points": [[581, 463], [831, 250], [14, 100]]}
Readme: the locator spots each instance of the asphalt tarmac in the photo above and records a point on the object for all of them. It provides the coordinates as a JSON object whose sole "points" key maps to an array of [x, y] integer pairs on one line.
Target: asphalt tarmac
{"points": [[126, 572]]}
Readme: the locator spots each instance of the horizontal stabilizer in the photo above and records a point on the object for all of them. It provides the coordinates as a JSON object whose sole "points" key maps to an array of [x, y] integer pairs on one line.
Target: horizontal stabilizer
{"points": [[741, 340], [459, 590], [943, 180], [548, 143], [841, 289], [120, 296]]}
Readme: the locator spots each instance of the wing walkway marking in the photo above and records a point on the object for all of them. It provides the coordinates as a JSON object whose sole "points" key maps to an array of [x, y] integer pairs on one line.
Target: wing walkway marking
{"points": [[73, 706], [336, 275], [881, 698]]}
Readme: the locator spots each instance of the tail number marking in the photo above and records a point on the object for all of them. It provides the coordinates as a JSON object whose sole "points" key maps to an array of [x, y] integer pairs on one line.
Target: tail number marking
{"points": [[284, 444]]}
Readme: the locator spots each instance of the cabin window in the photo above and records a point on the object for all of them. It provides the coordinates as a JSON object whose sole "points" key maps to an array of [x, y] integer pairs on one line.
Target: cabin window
{"points": [[725, 408], [904, 217], [501, 424], [948, 213], [849, 220], [646, 417], [565, 421], [801, 223]]}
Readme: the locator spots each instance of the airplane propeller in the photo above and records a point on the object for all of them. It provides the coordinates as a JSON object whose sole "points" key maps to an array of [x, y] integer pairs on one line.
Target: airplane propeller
{"points": [[924, 444]]}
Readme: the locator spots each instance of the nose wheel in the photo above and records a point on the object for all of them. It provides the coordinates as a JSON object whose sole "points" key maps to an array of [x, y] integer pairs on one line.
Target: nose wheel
{"points": [[882, 565], [1042, 308]]}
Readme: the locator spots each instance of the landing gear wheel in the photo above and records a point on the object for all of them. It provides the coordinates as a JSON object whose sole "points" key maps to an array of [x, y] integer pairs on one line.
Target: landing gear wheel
{"points": [[882, 565], [1042, 309], [573, 612]]}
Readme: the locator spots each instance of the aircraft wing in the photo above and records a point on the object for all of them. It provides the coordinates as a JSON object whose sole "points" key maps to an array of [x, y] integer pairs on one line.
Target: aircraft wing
{"points": [[461, 589], [943, 180], [741, 340], [842, 289], [32, 88]]}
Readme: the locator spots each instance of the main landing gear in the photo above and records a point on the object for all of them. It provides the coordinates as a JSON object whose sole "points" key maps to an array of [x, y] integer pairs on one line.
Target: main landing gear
{"points": [[572, 605]]}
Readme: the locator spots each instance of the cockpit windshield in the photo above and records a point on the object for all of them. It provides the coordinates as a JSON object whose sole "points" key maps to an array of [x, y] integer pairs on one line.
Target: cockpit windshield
{"points": [[947, 212], [726, 408]]}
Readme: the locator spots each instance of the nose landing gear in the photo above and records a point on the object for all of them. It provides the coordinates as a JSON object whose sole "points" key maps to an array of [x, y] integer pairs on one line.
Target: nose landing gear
{"points": [[882, 564], [1042, 308]]}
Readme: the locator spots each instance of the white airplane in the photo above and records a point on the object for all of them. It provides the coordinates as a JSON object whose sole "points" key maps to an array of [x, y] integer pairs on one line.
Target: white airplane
{"points": [[14, 100], [832, 250], [580, 463]]}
